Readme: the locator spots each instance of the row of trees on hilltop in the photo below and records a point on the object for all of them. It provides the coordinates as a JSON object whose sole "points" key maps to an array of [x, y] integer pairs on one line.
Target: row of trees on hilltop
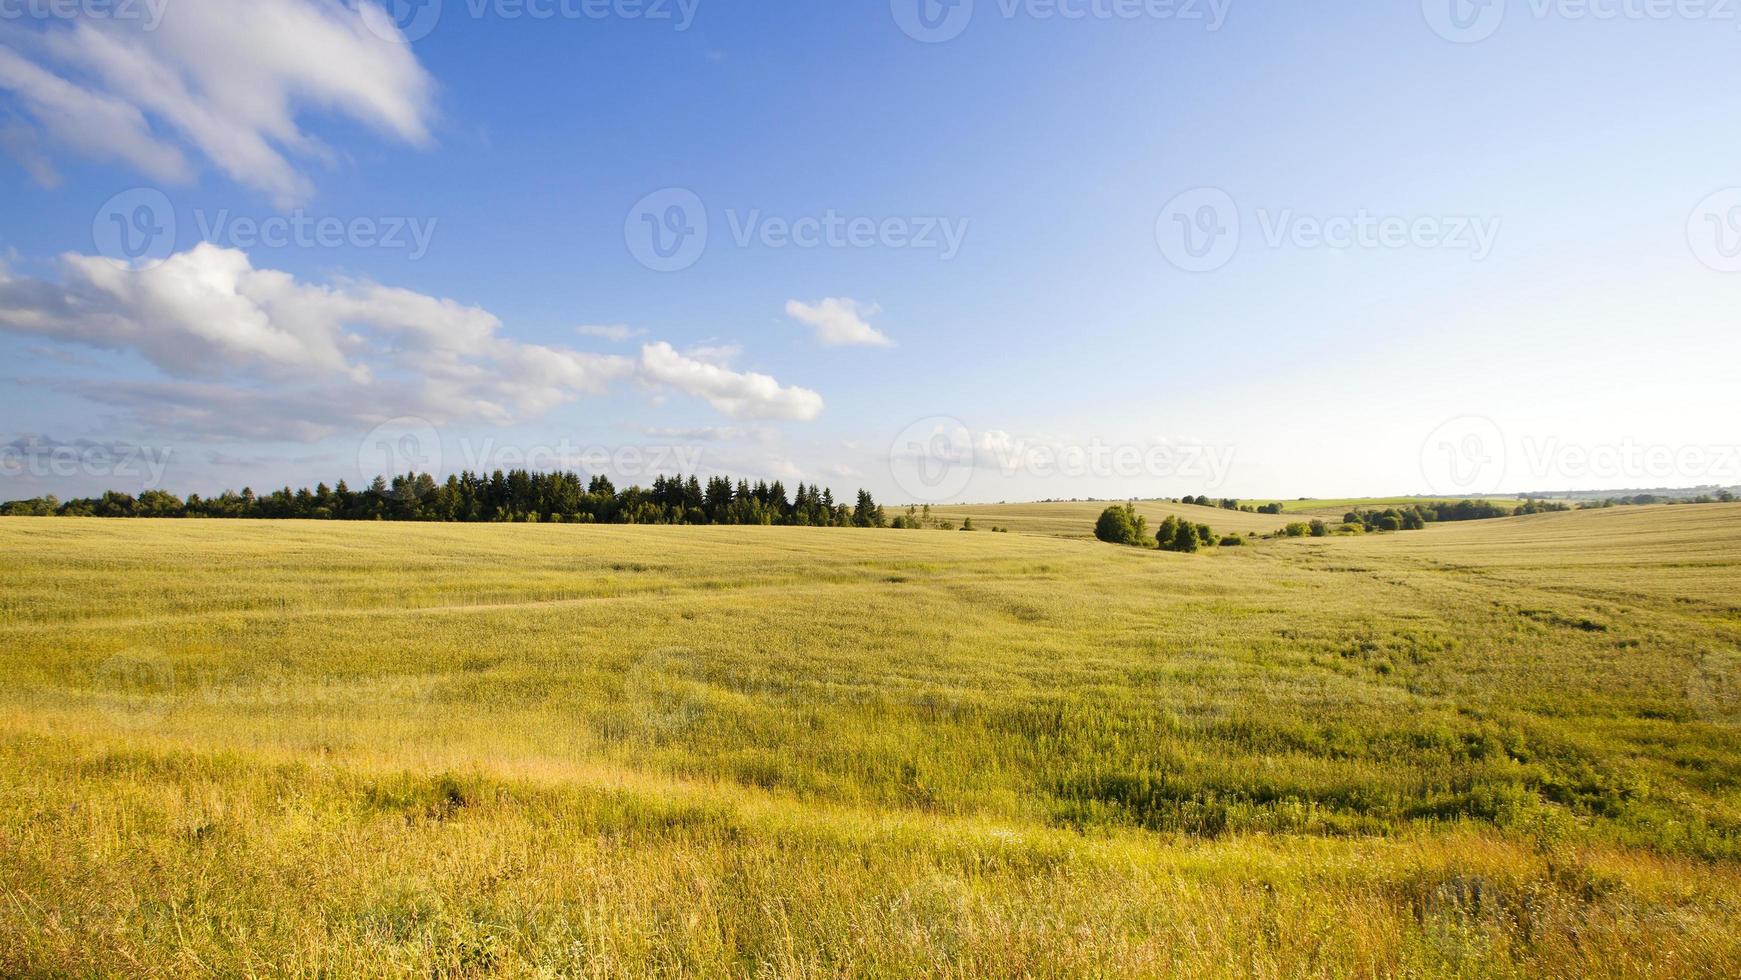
{"points": [[516, 495], [1228, 503]]}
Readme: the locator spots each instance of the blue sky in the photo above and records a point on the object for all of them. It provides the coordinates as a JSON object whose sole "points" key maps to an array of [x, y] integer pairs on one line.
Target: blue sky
{"points": [[1522, 299]]}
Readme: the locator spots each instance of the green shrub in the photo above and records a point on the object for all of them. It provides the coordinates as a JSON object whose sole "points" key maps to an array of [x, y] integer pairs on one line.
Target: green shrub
{"points": [[1121, 524]]}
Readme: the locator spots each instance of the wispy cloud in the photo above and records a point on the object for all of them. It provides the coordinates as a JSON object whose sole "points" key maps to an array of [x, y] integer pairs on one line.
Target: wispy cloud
{"points": [[840, 322], [226, 80]]}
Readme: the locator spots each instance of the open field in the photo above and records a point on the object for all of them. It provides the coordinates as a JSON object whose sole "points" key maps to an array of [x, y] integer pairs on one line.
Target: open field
{"points": [[1334, 509], [1075, 519], [1498, 748]]}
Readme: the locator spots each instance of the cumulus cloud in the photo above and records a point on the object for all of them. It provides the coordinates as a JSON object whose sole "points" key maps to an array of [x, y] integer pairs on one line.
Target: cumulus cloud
{"points": [[256, 352], [840, 322], [733, 393], [222, 78]]}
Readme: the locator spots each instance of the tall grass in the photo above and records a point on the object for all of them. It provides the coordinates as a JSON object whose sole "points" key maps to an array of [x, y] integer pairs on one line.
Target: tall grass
{"points": [[1507, 748]]}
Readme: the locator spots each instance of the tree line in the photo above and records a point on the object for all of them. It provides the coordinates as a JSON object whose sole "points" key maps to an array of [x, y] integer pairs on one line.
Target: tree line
{"points": [[516, 495]]}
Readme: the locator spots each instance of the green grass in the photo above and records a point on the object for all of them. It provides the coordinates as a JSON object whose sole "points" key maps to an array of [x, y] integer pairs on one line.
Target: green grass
{"points": [[1501, 748]]}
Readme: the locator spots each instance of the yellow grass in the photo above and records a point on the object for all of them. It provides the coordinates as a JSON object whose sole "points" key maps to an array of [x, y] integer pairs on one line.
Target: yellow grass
{"points": [[1076, 519], [1503, 748]]}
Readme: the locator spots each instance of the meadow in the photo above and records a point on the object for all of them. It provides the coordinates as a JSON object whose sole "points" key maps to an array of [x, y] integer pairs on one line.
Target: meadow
{"points": [[1075, 519], [1496, 748]]}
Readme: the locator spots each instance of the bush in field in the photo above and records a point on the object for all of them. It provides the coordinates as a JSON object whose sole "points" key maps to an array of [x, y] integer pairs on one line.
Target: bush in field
{"points": [[1319, 529], [1298, 529], [1121, 524], [1183, 536], [1232, 541]]}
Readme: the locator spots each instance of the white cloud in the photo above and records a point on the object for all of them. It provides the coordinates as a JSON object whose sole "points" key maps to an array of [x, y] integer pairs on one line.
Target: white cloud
{"points": [[616, 333], [716, 353], [733, 393], [840, 322], [257, 352], [225, 78], [91, 123]]}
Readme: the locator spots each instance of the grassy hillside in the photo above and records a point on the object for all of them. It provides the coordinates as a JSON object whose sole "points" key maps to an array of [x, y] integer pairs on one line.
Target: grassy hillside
{"points": [[1075, 519], [1499, 748], [1334, 509]]}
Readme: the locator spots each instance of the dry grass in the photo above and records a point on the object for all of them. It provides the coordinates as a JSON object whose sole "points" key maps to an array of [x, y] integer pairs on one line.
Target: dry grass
{"points": [[1076, 519], [1507, 748]]}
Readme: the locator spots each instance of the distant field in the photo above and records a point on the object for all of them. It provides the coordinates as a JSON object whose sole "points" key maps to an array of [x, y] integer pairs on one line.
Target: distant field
{"points": [[1502, 748], [1076, 519], [1330, 508]]}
